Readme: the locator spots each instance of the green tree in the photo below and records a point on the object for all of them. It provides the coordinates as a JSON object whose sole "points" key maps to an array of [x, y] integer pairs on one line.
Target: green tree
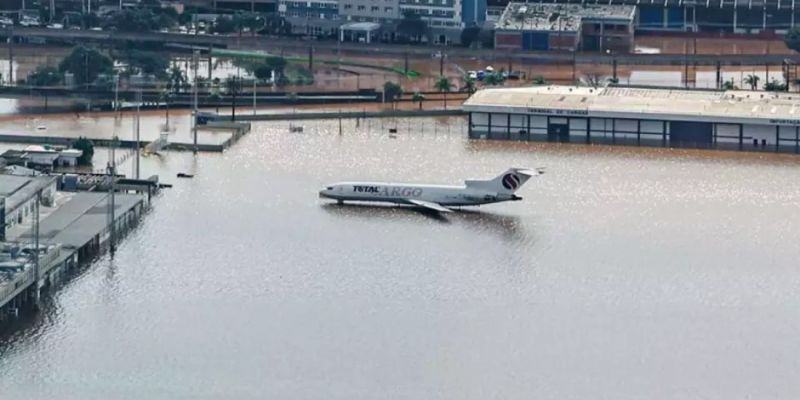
{"points": [[792, 39], [775, 86], [418, 98], [539, 80], [45, 76], [148, 62], [87, 147], [469, 84], [233, 86], [274, 24], [142, 19], [86, 65], [252, 21], [728, 85], [443, 85], [224, 25], [469, 35], [752, 80], [494, 79], [176, 80], [412, 27], [392, 91]]}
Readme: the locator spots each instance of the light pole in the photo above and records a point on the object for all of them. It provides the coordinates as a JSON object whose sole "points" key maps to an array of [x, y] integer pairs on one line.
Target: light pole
{"points": [[614, 78]]}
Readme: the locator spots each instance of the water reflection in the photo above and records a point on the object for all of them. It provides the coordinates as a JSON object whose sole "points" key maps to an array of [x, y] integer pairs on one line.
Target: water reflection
{"points": [[506, 227]]}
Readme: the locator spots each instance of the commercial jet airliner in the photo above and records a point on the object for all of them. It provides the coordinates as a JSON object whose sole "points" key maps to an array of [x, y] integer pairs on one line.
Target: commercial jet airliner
{"points": [[434, 197]]}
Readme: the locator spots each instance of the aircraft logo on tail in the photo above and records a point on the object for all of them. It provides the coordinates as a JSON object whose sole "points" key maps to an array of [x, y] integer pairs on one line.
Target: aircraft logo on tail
{"points": [[511, 181]]}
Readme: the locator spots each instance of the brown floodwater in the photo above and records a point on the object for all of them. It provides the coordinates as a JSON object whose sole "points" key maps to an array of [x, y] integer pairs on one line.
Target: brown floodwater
{"points": [[625, 273]]}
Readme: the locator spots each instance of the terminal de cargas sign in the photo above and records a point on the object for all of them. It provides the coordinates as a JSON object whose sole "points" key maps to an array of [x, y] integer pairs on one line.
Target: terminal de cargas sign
{"points": [[555, 111]]}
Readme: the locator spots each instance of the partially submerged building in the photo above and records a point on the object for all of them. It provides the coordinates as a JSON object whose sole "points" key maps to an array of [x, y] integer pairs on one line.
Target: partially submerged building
{"points": [[590, 27], [18, 196], [733, 119]]}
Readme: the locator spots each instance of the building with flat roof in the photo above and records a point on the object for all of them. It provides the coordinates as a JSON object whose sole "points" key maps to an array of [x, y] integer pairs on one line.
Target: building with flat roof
{"points": [[313, 18], [733, 119], [19, 195], [739, 16], [536, 26]]}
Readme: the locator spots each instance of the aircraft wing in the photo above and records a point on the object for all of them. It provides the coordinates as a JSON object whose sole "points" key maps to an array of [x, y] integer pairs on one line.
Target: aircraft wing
{"points": [[430, 205]]}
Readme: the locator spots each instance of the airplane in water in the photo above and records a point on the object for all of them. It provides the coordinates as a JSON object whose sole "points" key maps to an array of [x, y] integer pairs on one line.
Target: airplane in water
{"points": [[435, 197]]}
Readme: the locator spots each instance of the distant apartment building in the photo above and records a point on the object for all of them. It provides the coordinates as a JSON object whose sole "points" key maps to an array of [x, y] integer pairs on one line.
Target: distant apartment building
{"points": [[313, 18], [446, 18], [369, 10]]}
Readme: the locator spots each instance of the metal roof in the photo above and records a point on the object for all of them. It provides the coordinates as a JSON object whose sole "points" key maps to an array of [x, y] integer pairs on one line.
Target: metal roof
{"points": [[81, 218], [732, 106], [560, 17]]}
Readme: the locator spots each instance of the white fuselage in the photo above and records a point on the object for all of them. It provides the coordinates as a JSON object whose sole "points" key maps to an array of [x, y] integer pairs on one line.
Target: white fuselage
{"points": [[402, 193]]}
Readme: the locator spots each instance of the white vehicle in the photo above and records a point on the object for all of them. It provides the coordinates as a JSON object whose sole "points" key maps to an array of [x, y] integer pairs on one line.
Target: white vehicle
{"points": [[6, 21], [55, 26], [434, 197]]}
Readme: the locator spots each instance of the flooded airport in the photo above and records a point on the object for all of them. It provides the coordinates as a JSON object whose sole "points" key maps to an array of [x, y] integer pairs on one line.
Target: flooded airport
{"points": [[632, 272]]}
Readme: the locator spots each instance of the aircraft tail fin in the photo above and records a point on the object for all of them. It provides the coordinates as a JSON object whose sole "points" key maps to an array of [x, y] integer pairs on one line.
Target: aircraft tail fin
{"points": [[507, 182]]}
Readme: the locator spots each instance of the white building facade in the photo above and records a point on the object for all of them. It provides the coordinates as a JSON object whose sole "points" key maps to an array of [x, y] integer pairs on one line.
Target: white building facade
{"points": [[742, 120]]}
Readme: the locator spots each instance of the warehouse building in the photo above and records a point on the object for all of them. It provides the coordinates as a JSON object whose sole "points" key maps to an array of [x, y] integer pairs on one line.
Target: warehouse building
{"points": [[734, 119], [532, 26], [739, 16]]}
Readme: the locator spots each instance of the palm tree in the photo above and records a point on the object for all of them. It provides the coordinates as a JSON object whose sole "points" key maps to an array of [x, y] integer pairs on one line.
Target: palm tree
{"points": [[418, 98], [752, 80], [728, 85], [443, 85], [494, 79], [469, 84], [233, 86], [176, 80]]}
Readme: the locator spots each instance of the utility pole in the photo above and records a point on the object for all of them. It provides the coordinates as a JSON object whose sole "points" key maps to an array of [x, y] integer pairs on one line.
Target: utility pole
{"points": [[36, 255], [194, 106], [112, 172], [116, 96], [11, 58], [138, 123]]}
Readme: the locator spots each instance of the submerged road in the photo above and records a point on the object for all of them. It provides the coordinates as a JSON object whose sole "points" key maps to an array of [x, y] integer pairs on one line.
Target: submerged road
{"points": [[280, 44]]}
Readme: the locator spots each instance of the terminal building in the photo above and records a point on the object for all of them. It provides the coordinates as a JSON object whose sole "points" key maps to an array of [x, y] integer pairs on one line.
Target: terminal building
{"points": [[734, 119], [534, 26]]}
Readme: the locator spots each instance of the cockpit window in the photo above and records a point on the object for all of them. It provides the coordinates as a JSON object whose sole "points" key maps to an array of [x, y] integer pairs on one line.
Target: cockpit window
{"points": [[329, 188]]}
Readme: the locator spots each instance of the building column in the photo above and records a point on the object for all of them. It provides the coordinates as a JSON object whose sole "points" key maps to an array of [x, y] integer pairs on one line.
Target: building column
{"points": [[638, 132], [613, 131], [489, 127], [777, 137], [735, 17], [588, 130], [797, 139], [764, 14], [741, 136], [508, 126], [664, 133], [469, 126], [529, 127]]}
